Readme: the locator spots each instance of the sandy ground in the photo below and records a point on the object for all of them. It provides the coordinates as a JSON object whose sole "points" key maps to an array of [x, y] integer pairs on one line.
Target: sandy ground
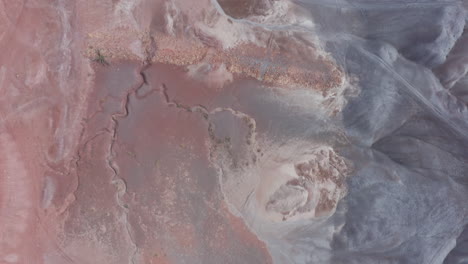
{"points": [[107, 138], [179, 131]]}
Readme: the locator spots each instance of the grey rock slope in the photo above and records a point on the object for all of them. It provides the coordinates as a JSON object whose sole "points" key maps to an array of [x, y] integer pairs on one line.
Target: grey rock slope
{"points": [[408, 127]]}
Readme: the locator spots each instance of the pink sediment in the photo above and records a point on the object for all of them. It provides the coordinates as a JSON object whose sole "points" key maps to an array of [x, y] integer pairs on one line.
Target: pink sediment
{"points": [[92, 171]]}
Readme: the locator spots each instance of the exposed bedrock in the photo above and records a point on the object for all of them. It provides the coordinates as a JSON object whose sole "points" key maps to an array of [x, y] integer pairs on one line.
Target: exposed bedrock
{"points": [[245, 8], [422, 31], [182, 131]]}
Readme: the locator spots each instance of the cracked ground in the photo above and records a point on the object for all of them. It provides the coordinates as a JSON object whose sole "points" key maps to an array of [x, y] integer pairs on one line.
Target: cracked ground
{"points": [[233, 132]]}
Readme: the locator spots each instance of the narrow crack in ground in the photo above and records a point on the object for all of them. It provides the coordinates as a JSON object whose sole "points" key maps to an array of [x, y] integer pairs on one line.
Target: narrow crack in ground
{"points": [[117, 180], [250, 141]]}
